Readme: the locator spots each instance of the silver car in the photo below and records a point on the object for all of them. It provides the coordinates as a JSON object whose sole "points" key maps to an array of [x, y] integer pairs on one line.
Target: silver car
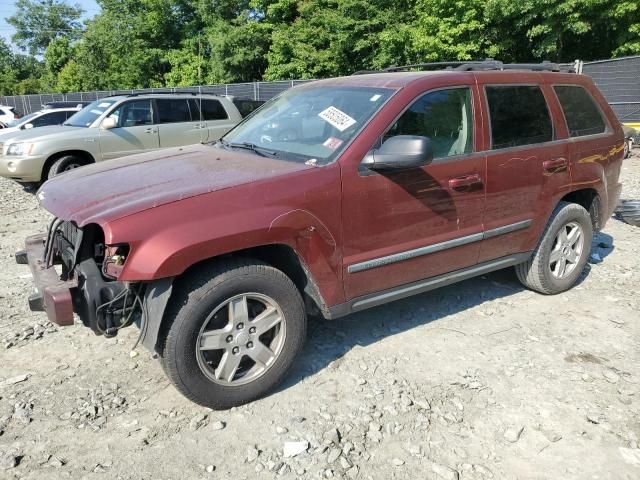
{"points": [[114, 127]]}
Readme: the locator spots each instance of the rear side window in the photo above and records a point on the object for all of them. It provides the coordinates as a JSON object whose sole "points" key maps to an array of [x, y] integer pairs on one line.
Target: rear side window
{"points": [[445, 116], [580, 111], [173, 110], [519, 116], [211, 109]]}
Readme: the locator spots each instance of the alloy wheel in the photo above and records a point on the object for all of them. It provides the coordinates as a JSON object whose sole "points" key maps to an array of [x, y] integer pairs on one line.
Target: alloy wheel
{"points": [[241, 339]]}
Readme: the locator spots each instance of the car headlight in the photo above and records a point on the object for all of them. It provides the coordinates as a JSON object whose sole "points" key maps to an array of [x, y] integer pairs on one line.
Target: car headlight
{"points": [[19, 149], [114, 259]]}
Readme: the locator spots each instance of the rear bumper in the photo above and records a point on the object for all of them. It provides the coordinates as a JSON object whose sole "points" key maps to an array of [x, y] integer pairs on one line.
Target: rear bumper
{"points": [[52, 294]]}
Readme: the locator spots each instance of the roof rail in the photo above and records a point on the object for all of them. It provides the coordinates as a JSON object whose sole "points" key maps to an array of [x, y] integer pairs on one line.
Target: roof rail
{"points": [[137, 94], [487, 64]]}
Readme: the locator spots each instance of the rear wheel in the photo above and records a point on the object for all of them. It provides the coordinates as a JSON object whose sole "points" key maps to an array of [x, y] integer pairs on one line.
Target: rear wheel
{"points": [[562, 253], [233, 333], [64, 164]]}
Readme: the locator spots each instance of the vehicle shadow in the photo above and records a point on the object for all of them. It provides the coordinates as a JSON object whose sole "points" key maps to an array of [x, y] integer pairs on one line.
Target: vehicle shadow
{"points": [[328, 341]]}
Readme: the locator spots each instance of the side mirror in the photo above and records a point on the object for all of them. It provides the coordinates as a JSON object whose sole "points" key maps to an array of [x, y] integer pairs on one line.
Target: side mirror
{"points": [[401, 151], [27, 126], [109, 123]]}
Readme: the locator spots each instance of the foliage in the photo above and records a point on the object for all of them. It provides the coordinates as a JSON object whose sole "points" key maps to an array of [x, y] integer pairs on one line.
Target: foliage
{"points": [[39, 22], [147, 43]]}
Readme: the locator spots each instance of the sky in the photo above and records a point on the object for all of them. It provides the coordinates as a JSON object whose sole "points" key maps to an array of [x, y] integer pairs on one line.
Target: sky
{"points": [[7, 8]]}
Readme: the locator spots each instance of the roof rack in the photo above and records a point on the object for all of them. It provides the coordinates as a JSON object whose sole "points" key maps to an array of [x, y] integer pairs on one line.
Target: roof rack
{"points": [[137, 94], [487, 64]]}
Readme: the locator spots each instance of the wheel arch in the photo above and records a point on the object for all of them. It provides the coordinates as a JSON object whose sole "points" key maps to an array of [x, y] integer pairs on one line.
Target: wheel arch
{"points": [[280, 256], [590, 199], [83, 154]]}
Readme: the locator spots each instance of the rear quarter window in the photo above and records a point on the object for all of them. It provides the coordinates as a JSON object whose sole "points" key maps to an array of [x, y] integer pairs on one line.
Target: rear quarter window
{"points": [[581, 113], [519, 116], [211, 109]]}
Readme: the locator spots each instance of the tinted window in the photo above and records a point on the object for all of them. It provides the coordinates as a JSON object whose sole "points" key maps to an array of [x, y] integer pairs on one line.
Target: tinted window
{"points": [[173, 110], [580, 111], [212, 110], [133, 114], [519, 116], [445, 116], [54, 118]]}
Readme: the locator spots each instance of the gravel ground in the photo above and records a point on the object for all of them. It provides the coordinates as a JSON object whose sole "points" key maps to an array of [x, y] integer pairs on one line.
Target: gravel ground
{"points": [[478, 380]]}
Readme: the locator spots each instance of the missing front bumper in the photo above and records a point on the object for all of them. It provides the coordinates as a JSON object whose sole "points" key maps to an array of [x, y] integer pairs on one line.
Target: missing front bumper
{"points": [[54, 296]]}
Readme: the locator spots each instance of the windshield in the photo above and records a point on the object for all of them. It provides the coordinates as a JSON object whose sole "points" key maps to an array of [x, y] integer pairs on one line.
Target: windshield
{"points": [[90, 113], [20, 121], [308, 124]]}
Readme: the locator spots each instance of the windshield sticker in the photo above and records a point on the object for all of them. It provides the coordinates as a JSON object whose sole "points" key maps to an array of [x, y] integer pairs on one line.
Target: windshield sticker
{"points": [[97, 112], [104, 105], [337, 118], [311, 161], [332, 143], [375, 98]]}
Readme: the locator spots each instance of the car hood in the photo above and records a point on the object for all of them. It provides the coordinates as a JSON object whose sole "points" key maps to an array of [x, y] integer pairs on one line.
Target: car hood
{"points": [[113, 189], [42, 133]]}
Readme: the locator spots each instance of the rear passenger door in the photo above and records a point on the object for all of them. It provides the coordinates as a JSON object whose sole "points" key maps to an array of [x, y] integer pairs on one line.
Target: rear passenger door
{"points": [[178, 124], [216, 118], [527, 164]]}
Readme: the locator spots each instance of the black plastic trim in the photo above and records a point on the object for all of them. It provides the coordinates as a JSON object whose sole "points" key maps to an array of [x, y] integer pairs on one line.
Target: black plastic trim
{"points": [[385, 296]]}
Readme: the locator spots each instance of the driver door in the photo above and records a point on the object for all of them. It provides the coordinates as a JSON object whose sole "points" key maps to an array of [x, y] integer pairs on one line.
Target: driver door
{"points": [[402, 226], [136, 131]]}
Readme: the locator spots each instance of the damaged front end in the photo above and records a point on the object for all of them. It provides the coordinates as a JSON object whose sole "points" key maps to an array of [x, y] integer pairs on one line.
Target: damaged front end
{"points": [[74, 271]]}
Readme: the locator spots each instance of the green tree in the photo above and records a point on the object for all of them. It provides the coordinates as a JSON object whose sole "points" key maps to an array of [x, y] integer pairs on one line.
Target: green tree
{"points": [[39, 22]]}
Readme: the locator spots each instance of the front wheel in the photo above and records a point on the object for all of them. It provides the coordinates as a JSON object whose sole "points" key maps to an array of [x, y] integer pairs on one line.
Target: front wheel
{"points": [[234, 331], [64, 164], [562, 253]]}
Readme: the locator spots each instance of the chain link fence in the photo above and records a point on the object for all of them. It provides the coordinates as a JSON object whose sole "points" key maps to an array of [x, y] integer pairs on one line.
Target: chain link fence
{"points": [[25, 104]]}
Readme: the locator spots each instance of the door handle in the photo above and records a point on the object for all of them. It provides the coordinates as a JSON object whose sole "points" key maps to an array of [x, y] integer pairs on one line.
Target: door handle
{"points": [[199, 126], [465, 182], [150, 130], [555, 165]]}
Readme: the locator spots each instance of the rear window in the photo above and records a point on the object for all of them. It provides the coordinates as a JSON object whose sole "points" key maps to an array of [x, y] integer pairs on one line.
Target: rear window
{"points": [[580, 111], [519, 116], [173, 110]]}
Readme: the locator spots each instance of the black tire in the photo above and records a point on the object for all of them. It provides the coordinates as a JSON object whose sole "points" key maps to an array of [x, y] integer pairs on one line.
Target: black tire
{"points": [[195, 298], [536, 273], [64, 164]]}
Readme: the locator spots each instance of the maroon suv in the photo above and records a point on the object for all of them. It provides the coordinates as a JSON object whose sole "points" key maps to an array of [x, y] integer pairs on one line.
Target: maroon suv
{"points": [[336, 196]]}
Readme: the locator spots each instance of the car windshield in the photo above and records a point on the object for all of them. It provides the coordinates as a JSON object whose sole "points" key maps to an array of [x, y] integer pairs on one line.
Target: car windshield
{"points": [[309, 124], [90, 113], [20, 121]]}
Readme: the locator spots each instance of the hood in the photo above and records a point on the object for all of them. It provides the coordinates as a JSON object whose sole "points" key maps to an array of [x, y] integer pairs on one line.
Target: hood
{"points": [[42, 133], [116, 188]]}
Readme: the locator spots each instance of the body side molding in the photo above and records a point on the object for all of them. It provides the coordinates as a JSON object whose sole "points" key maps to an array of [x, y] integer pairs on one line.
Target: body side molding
{"points": [[437, 247]]}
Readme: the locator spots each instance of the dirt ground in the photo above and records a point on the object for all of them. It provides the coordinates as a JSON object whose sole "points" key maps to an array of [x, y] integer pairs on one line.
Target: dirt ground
{"points": [[478, 380]]}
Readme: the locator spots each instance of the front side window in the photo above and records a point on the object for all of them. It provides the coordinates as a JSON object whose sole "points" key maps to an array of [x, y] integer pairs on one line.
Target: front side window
{"points": [[445, 116], [133, 114], [173, 110], [581, 113], [519, 116], [309, 123]]}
